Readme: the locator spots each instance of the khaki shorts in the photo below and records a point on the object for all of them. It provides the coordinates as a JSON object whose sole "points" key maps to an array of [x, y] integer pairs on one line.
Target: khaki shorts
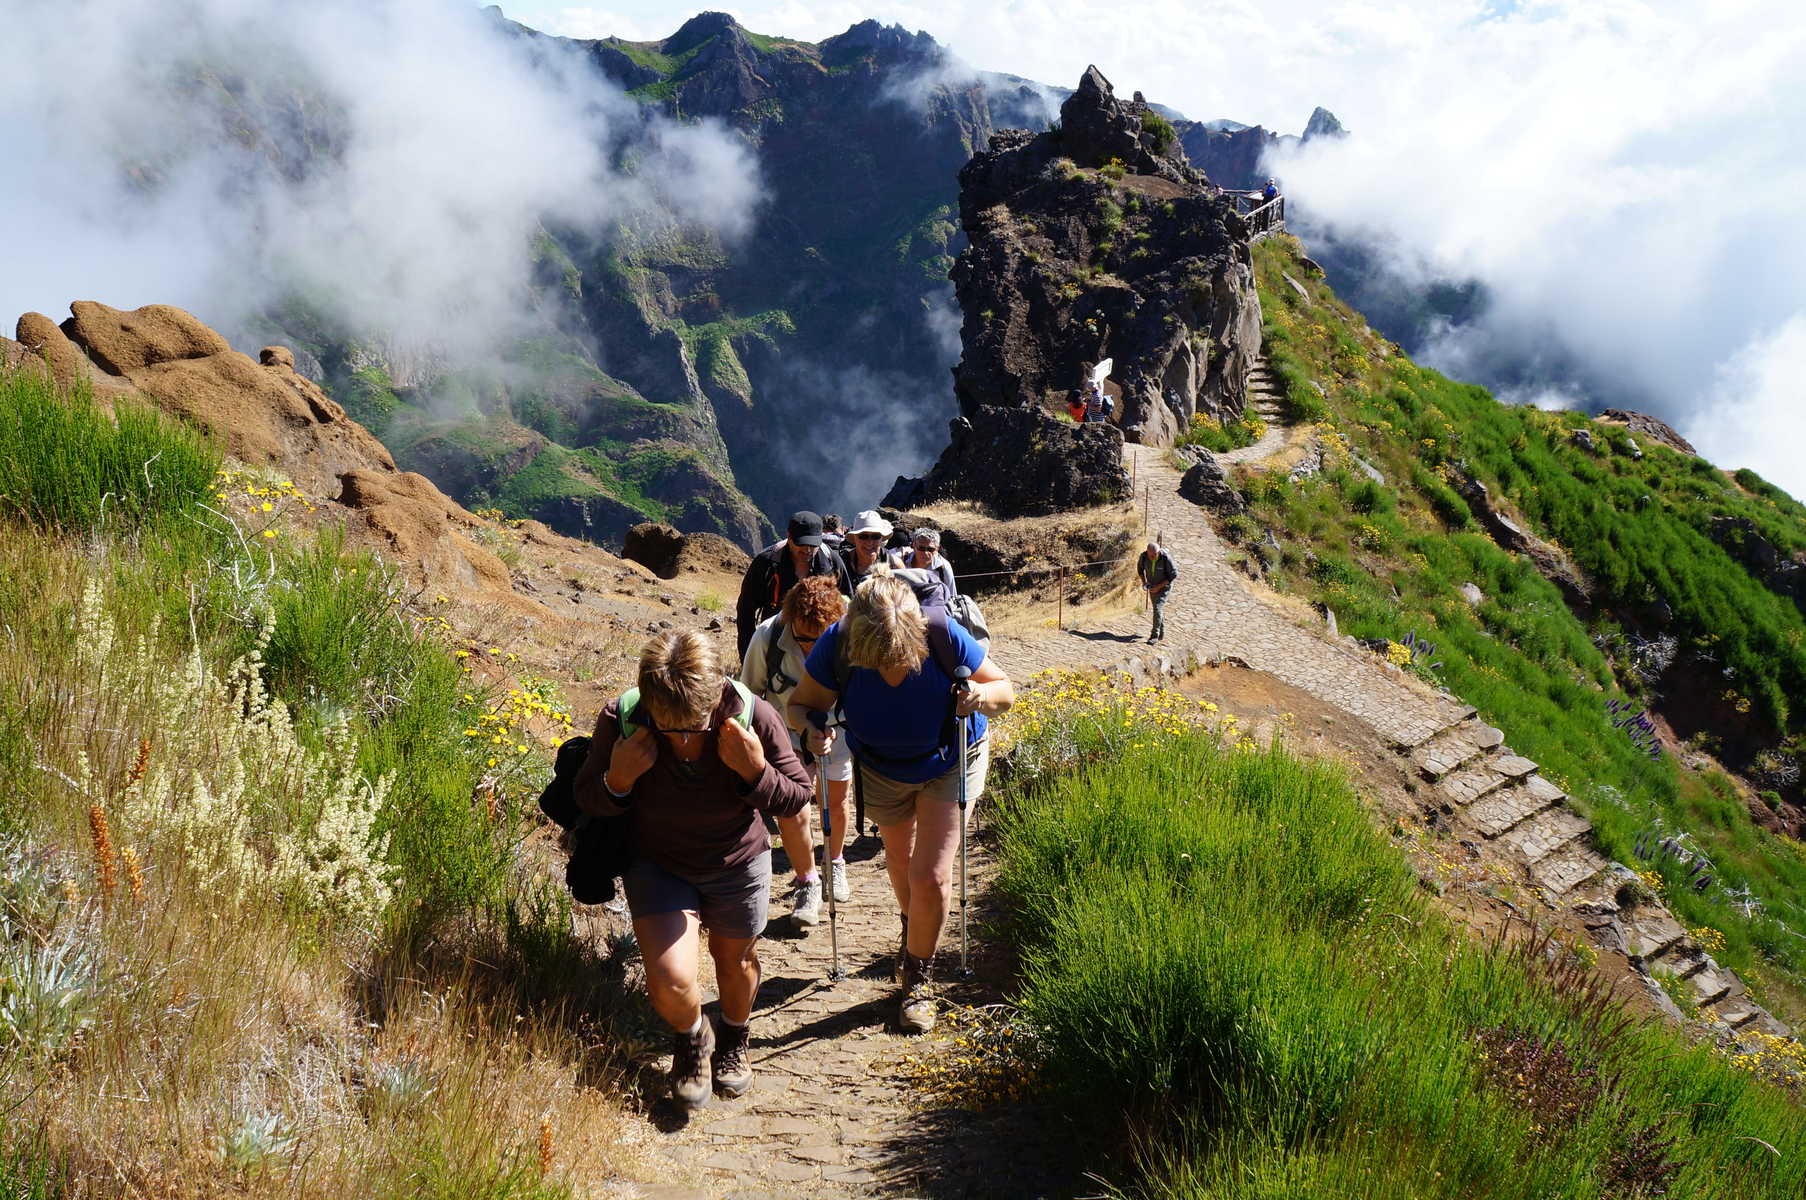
{"points": [[888, 802]]}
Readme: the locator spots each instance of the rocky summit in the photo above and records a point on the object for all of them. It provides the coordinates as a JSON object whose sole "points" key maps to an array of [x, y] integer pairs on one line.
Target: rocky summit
{"points": [[1093, 240]]}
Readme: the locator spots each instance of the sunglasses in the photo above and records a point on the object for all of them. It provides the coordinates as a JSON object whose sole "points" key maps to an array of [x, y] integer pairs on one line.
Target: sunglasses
{"points": [[654, 725], [869, 537]]}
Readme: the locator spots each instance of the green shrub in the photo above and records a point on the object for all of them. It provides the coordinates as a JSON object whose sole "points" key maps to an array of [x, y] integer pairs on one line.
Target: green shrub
{"points": [[1234, 974], [66, 465], [1160, 129]]}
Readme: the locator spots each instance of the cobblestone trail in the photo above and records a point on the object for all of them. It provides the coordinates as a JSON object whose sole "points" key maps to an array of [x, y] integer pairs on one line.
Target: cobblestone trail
{"points": [[831, 1113], [1216, 614], [1485, 797]]}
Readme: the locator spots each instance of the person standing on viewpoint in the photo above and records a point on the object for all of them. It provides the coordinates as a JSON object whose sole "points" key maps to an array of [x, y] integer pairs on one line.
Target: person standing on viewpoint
{"points": [[1157, 572], [694, 763]]}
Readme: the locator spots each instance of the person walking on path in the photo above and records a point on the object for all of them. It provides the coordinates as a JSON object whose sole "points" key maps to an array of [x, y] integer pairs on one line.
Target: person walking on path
{"points": [[1156, 571], [775, 569], [865, 545], [694, 762], [892, 671], [772, 668], [925, 553]]}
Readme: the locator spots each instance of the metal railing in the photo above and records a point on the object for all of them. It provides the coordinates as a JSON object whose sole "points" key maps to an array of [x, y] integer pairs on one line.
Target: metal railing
{"points": [[1265, 217]]}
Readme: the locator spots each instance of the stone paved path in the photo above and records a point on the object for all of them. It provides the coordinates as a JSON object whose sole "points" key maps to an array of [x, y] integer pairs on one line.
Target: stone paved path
{"points": [[832, 1112], [1485, 800], [1215, 613]]}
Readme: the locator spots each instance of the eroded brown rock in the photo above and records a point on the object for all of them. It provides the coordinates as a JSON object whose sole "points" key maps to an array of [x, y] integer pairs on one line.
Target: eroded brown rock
{"points": [[120, 342]]}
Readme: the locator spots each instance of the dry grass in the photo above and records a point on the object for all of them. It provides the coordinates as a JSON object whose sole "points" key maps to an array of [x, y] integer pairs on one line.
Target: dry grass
{"points": [[224, 1042]]}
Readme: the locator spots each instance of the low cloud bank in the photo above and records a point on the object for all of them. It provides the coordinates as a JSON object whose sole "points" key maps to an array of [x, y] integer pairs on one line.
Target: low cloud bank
{"points": [[1627, 188], [389, 161]]}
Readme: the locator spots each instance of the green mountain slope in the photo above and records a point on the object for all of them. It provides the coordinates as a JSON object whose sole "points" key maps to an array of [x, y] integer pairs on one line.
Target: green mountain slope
{"points": [[1640, 578]]}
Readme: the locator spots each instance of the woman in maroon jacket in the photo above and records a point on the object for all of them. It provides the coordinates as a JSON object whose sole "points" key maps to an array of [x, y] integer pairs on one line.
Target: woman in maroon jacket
{"points": [[695, 789]]}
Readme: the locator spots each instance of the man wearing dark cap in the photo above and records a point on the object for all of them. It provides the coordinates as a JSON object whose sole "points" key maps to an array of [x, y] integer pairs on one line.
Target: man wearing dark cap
{"points": [[775, 569]]}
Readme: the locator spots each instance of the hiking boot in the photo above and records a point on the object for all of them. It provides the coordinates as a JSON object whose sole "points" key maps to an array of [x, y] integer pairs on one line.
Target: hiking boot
{"points": [[808, 902], [896, 966], [690, 1066], [837, 879], [733, 1073], [917, 1009]]}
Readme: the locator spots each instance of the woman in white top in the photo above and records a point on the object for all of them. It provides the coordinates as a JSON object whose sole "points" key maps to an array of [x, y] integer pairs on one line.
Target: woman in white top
{"points": [[772, 668]]}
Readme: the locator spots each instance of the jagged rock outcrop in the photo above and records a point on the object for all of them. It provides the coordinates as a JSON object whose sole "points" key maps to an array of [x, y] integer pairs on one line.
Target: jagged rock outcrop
{"points": [[1021, 462], [261, 413], [1782, 574], [1205, 485], [1093, 241], [668, 552], [1550, 562]]}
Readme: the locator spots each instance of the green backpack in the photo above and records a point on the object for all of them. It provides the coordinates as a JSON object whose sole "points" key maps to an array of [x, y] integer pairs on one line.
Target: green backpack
{"points": [[628, 707]]}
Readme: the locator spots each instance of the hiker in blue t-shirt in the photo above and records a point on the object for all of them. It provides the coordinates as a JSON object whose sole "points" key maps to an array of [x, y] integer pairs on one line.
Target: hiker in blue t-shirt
{"points": [[893, 680]]}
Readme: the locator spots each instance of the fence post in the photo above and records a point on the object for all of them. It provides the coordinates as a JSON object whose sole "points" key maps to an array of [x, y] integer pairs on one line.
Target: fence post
{"points": [[1146, 500], [1060, 602]]}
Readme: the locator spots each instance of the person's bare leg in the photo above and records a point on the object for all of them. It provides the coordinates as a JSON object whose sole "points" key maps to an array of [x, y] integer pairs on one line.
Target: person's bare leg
{"points": [[668, 947], [799, 843], [841, 811], [899, 842], [736, 975], [930, 873]]}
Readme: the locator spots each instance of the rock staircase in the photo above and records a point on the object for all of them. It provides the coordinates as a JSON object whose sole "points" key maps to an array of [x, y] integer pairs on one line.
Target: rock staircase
{"points": [[1482, 788], [1266, 393], [1481, 783]]}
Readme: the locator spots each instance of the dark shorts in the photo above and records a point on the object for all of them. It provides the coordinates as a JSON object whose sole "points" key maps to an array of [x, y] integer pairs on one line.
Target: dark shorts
{"points": [[732, 902]]}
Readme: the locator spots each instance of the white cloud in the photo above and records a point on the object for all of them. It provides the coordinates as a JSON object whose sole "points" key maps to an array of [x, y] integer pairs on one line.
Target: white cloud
{"points": [[135, 177], [1755, 415]]}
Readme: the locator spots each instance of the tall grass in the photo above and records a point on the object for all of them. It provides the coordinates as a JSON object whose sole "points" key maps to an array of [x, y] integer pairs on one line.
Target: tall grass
{"points": [[266, 926], [69, 466], [1233, 972]]}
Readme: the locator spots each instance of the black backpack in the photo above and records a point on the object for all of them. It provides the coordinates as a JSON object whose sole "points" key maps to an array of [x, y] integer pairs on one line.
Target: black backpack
{"points": [[601, 846]]}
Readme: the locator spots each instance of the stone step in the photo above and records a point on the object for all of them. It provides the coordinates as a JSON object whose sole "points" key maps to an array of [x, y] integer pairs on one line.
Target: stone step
{"points": [[1545, 833], [1682, 959], [1507, 807], [1470, 783], [1566, 869], [1510, 765], [1736, 1012], [1455, 747], [1650, 931]]}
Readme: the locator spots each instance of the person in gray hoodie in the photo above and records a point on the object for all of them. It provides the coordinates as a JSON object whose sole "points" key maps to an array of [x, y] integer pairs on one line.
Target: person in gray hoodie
{"points": [[925, 553]]}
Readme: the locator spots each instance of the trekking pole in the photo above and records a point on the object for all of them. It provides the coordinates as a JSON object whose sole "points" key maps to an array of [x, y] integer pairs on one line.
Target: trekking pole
{"points": [[962, 683], [835, 974]]}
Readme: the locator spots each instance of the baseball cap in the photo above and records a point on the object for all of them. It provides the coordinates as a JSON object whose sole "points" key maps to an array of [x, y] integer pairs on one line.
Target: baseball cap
{"points": [[805, 528]]}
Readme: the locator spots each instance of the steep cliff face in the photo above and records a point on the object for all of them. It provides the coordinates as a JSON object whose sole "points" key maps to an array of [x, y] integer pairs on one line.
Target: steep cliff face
{"points": [[817, 345], [1097, 240]]}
